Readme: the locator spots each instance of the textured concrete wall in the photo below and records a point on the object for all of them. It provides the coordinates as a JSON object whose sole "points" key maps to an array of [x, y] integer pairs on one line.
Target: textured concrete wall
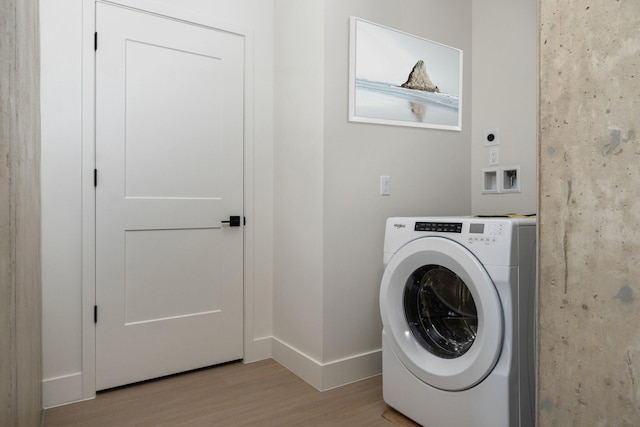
{"points": [[589, 204], [20, 285]]}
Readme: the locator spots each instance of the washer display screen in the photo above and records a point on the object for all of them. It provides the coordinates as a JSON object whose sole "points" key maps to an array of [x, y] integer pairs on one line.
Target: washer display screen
{"points": [[440, 311], [476, 228]]}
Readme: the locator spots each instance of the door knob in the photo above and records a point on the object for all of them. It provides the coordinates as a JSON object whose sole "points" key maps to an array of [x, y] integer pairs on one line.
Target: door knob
{"points": [[234, 221]]}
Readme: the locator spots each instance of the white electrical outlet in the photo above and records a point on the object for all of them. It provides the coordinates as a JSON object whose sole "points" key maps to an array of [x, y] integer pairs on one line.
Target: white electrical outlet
{"points": [[494, 156]]}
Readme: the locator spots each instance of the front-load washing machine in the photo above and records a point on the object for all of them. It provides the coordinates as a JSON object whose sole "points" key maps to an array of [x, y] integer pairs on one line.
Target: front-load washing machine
{"points": [[457, 307]]}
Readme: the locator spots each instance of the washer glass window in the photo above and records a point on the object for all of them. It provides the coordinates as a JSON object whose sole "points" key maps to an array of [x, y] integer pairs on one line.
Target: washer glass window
{"points": [[440, 311]]}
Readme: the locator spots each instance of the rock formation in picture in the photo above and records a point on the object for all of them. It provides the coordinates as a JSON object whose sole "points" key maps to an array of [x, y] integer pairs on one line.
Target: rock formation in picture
{"points": [[419, 79]]}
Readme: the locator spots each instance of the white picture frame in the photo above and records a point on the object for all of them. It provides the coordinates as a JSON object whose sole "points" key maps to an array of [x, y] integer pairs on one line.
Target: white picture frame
{"points": [[387, 85]]}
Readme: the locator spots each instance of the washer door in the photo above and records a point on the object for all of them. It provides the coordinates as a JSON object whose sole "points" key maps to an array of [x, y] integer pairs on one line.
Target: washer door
{"points": [[442, 313]]}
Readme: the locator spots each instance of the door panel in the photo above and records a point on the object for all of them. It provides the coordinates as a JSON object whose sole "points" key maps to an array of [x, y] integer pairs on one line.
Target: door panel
{"points": [[169, 155], [155, 260], [183, 109]]}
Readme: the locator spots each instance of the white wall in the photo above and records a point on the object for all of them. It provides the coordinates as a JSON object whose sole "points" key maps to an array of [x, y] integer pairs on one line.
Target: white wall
{"points": [[329, 218], [62, 150], [61, 91], [504, 97], [299, 124], [429, 169]]}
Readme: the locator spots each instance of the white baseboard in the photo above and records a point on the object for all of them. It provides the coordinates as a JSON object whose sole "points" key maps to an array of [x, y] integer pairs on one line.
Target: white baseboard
{"points": [[258, 349], [351, 369], [325, 376], [62, 390], [297, 362]]}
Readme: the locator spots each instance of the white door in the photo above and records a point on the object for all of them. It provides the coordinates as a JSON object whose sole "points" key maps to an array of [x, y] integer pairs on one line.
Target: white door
{"points": [[169, 159]]}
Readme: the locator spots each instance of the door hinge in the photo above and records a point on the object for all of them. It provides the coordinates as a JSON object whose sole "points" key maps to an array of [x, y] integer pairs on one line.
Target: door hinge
{"points": [[95, 41], [95, 314], [95, 177], [244, 218]]}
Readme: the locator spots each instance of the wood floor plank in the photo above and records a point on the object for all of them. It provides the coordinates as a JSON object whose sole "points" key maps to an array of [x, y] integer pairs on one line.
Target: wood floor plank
{"points": [[258, 394]]}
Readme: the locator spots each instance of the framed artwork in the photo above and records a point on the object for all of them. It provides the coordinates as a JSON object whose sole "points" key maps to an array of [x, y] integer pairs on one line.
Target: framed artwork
{"points": [[399, 79]]}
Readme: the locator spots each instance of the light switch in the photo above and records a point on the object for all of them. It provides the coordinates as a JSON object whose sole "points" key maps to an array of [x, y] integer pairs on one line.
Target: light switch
{"points": [[384, 186]]}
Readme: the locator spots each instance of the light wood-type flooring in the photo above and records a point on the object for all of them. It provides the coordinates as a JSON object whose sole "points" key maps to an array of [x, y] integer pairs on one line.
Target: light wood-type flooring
{"points": [[257, 394]]}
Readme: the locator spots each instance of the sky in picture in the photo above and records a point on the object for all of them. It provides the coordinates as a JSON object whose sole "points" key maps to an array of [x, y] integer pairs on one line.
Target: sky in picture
{"points": [[388, 56]]}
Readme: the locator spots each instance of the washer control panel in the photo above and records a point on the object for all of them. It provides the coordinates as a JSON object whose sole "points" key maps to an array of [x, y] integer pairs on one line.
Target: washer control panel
{"points": [[486, 233], [471, 232], [439, 227]]}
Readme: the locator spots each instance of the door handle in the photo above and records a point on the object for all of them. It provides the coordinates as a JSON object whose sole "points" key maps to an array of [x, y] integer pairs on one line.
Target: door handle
{"points": [[234, 221]]}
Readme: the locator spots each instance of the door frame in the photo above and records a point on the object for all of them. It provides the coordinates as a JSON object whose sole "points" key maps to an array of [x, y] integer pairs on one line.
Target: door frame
{"points": [[88, 207]]}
